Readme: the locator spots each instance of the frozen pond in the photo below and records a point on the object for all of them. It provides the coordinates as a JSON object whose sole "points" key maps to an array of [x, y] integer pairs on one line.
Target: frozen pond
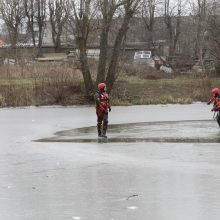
{"points": [[158, 163]]}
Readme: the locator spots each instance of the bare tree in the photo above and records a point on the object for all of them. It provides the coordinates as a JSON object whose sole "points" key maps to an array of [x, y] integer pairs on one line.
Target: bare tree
{"points": [[130, 7], [206, 19], [83, 12], [35, 11], [59, 13], [212, 35], [201, 18], [173, 23], [148, 8], [200, 10], [30, 14], [12, 13], [83, 17], [40, 18], [108, 9]]}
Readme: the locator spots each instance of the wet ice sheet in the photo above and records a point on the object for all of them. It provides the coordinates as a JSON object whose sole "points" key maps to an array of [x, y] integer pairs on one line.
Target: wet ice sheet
{"points": [[108, 181], [120, 180], [177, 131]]}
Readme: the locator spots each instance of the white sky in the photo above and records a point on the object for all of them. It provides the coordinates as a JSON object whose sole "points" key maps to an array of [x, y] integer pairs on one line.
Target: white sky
{"points": [[186, 6]]}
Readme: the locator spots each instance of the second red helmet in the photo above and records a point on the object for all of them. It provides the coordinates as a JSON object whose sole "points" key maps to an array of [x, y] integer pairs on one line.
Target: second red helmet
{"points": [[215, 91], [101, 85]]}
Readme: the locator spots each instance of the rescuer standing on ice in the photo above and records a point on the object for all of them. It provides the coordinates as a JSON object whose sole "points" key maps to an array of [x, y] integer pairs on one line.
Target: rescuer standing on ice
{"points": [[215, 99], [102, 108]]}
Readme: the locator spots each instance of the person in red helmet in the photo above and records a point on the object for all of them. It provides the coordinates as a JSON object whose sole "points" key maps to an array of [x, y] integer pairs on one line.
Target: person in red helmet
{"points": [[215, 99], [102, 108]]}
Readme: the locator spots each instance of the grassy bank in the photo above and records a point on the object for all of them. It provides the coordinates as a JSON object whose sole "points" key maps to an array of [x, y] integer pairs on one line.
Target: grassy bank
{"points": [[59, 84], [178, 89]]}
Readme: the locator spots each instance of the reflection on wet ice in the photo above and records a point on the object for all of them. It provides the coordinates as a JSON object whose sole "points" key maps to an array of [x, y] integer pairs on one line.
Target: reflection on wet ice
{"points": [[173, 132]]}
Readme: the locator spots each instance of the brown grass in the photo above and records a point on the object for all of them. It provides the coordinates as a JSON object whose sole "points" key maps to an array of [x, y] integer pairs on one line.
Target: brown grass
{"points": [[163, 88], [58, 83], [45, 84]]}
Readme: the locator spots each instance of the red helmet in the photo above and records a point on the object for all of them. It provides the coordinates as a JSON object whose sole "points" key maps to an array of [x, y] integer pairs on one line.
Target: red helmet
{"points": [[215, 91], [101, 85]]}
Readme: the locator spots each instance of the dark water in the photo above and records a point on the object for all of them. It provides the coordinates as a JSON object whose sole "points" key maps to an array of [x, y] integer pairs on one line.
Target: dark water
{"points": [[159, 163]]}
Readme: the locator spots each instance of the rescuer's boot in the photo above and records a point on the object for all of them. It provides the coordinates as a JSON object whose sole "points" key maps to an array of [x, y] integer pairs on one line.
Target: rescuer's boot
{"points": [[104, 133], [99, 130]]}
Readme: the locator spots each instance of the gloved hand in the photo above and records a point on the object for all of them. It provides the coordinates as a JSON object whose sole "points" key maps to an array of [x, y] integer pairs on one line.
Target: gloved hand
{"points": [[109, 109], [213, 109], [208, 103]]}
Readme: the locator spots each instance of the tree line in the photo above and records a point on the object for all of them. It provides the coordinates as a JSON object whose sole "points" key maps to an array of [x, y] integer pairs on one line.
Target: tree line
{"points": [[83, 18]]}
